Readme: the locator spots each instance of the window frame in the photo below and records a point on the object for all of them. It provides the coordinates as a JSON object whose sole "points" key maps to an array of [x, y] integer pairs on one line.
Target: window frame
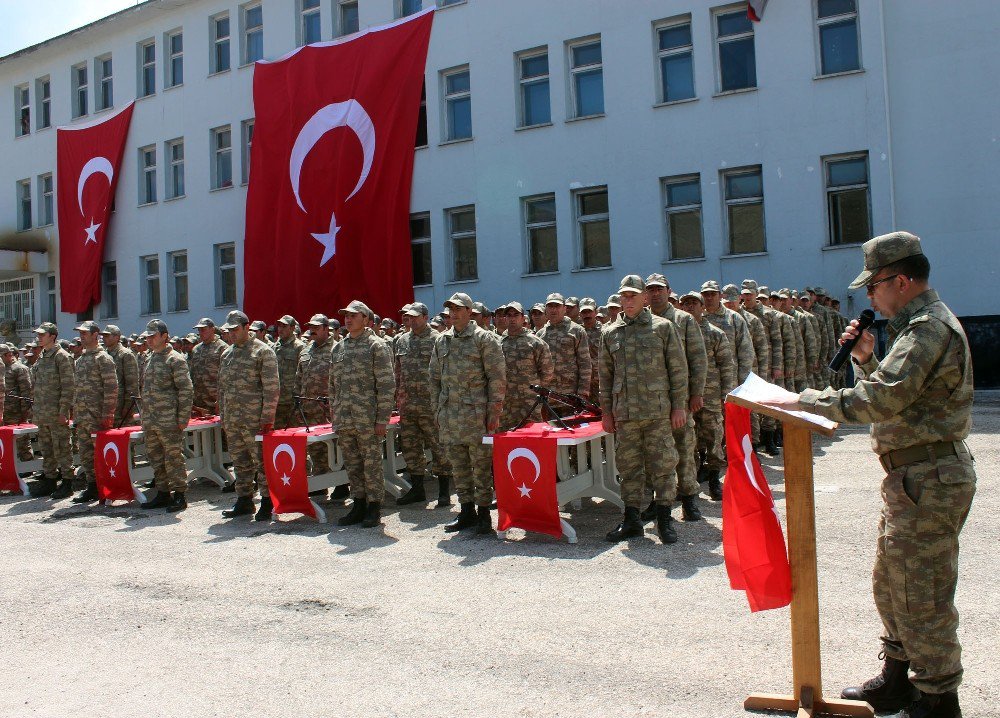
{"points": [[177, 278], [43, 98], [339, 19], [51, 307], [25, 205], [147, 187], [454, 236], [398, 9], [109, 288], [22, 110], [246, 145], [718, 41], [171, 57], [104, 89], [668, 210], [523, 83], [573, 71], [742, 201], [46, 200], [448, 98], [81, 91], [660, 54], [217, 40], [148, 280], [143, 88], [173, 168], [220, 273], [216, 151], [818, 35], [421, 241], [830, 191], [580, 219], [527, 226], [246, 31], [303, 15]]}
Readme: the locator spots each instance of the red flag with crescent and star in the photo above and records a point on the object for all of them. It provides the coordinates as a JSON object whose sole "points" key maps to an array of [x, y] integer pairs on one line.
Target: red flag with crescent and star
{"points": [[331, 168], [285, 470], [524, 477], [111, 465], [752, 541], [88, 159], [9, 479]]}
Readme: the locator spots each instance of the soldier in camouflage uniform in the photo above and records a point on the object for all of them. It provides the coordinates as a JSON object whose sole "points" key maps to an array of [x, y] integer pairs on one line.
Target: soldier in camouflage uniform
{"points": [[570, 351], [588, 319], [829, 328], [127, 371], [52, 382], [95, 397], [167, 398], [918, 400], [311, 378], [528, 361], [361, 393], [720, 380], [248, 379], [468, 384], [734, 326], [205, 361], [810, 337], [288, 350], [644, 399], [418, 430], [17, 381], [780, 343], [761, 348], [141, 355], [782, 302]]}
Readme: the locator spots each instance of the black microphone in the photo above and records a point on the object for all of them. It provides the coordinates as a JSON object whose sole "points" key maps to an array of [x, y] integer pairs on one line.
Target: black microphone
{"points": [[864, 321]]}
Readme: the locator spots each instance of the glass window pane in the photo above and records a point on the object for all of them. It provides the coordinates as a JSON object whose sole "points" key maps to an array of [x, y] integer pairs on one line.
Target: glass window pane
{"points": [[255, 46], [839, 45], [676, 36], [460, 118], [229, 286], [738, 64], [459, 82], [685, 235], [541, 210], [746, 228], [544, 251], [594, 203], [537, 109], [678, 77], [307, 4], [846, 172], [349, 18], [421, 263], [463, 222], [465, 258], [733, 23], [176, 44], [180, 262], [744, 186], [255, 17], [311, 28], [222, 27], [680, 194], [596, 238], [177, 71], [420, 227], [849, 217], [227, 255], [587, 54], [829, 8], [589, 93], [408, 7], [534, 66]]}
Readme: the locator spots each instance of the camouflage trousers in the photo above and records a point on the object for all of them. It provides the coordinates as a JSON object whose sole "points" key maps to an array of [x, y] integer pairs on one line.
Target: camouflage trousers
{"points": [[285, 416], [86, 443], [709, 430], [686, 444], [472, 468], [645, 452], [925, 506], [164, 449], [53, 443], [362, 451], [246, 455], [418, 433]]}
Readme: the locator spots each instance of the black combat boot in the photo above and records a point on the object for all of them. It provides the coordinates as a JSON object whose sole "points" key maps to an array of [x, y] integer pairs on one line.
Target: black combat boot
{"points": [[264, 512], [630, 527], [340, 494], [714, 485], [771, 442], [889, 691], [373, 516], [934, 705], [64, 490], [649, 513], [702, 474], [160, 501], [228, 488], [689, 508], [356, 515], [151, 484], [484, 525], [779, 437], [177, 503], [87, 495], [43, 487], [444, 491], [244, 506], [466, 519], [665, 524], [416, 493]]}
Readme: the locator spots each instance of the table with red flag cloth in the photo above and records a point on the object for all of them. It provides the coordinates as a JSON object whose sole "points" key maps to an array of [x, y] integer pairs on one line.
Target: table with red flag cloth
{"points": [[11, 467]]}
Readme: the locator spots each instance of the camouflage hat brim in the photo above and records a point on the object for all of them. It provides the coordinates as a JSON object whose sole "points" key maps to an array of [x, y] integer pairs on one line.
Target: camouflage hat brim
{"points": [[863, 278]]}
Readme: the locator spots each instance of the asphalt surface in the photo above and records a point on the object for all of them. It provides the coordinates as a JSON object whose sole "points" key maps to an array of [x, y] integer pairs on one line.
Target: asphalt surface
{"points": [[125, 612]]}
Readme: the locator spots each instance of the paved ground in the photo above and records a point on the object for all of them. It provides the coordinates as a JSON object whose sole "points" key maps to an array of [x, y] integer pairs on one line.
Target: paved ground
{"points": [[130, 614]]}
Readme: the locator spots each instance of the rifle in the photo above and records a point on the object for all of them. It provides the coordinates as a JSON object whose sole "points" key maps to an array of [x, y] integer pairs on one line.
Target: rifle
{"points": [[12, 395], [325, 400], [135, 402], [574, 401]]}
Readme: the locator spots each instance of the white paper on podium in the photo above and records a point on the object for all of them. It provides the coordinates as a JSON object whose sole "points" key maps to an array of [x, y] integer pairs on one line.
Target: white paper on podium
{"points": [[763, 392]]}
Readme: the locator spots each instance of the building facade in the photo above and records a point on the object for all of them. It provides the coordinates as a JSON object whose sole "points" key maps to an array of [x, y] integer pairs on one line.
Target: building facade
{"points": [[564, 143]]}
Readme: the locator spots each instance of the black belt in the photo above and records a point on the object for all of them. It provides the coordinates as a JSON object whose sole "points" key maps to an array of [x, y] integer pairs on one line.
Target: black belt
{"points": [[924, 452]]}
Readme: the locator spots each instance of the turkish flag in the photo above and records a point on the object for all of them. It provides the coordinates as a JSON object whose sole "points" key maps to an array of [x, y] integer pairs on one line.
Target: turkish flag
{"points": [[755, 9], [332, 164], [9, 480], [524, 477], [285, 470], [111, 465], [88, 159], [752, 541]]}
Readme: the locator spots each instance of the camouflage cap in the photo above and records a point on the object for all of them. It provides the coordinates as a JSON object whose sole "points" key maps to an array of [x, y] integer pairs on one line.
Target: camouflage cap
{"points": [[205, 322], [87, 326], [288, 320], [460, 299], [763, 289], [479, 308], [748, 286], [572, 301], [258, 326], [820, 292], [402, 309], [191, 338], [446, 312], [500, 308], [710, 286], [731, 293], [614, 301], [515, 306], [540, 308], [321, 319], [234, 319], [588, 303], [782, 294], [47, 328], [175, 339], [417, 309], [809, 290], [113, 330], [804, 294], [632, 284], [334, 324], [387, 322], [355, 307], [656, 280], [6, 348], [154, 326], [555, 298], [602, 312], [693, 295], [884, 250]]}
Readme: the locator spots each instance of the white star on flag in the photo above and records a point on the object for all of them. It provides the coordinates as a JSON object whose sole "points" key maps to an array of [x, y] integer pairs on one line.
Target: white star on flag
{"points": [[91, 232], [286, 479], [112, 472], [525, 491]]}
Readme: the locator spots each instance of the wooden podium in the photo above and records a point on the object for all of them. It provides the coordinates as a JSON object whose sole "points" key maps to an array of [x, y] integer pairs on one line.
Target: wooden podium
{"points": [[807, 683]]}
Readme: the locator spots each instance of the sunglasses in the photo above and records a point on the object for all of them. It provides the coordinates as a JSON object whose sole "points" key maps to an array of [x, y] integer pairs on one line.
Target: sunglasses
{"points": [[871, 287]]}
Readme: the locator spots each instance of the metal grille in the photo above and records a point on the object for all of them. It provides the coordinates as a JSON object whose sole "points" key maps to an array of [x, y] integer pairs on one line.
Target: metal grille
{"points": [[17, 301]]}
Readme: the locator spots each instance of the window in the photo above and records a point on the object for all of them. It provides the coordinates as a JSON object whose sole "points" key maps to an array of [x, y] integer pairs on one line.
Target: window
{"points": [[105, 83], [147, 68], [586, 78], [150, 284], [219, 61], [80, 90], [533, 75], [347, 18], [247, 145], [539, 215], [174, 151], [837, 26], [109, 290], [447, 3], [147, 175], [737, 61], [178, 289], [848, 201], [225, 274], [50, 298], [253, 33], [421, 140], [462, 232], [458, 105], [407, 7], [308, 22], [745, 210], [682, 196], [22, 111], [43, 96], [420, 244], [85, 316], [594, 231], [46, 191], [175, 59], [24, 205], [222, 157], [674, 52]]}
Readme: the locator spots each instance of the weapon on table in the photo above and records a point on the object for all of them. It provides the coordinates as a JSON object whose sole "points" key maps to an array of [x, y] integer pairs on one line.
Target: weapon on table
{"points": [[12, 395], [135, 402], [574, 401], [325, 400]]}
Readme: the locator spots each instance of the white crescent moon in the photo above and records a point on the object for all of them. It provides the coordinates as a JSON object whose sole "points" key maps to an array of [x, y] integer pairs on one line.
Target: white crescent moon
{"points": [[340, 114], [525, 454], [283, 449], [1, 451], [748, 463], [96, 165], [111, 447]]}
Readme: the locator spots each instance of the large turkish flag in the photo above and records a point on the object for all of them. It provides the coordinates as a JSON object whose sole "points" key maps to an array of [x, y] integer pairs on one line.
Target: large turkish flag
{"points": [[88, 159], [112, 470], [285, 471], [524, 478], [331, 167]]}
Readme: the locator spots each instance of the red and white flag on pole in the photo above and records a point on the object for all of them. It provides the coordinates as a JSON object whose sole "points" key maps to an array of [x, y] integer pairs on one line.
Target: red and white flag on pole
{"points": [[9, 479], [88, 159], [755, 9], [331, 171], [111, 466], [524, 477], [285, 471], [752, 541]]}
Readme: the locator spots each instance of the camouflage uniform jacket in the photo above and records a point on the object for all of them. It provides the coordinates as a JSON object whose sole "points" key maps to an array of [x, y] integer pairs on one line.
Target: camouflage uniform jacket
{"points": [[362, 386], [825, 328], [17, 380], [528, 361], [644, 372], [312, 374], [127, 372], [920, 393], [412, 366], [800, 347], [570, 350], [95, 394], [167, 391], [248, 380], [288, 353], [468, 382], [779, 342], [721, 367], [52, 379], [693, 344], [810, 338], [206, 360], [761, 343], [736, 330], [141, 360], [594, 343]]}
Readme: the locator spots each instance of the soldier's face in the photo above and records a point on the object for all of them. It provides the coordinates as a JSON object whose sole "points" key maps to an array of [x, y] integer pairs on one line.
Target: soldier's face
{"points": [[8, 358], [500, 321], [111, 340], [417, 323], [589, 317], [460, 316], [633, 303], [712, 300], [285, 331], [693, 307], [573, 312], [240, 334], [555, 312], [613, 313], [749, 300], [89, 339], [805, 303], [355, 322], [157, 342], [537, 317], [206, 334], [659, 297], [46, 340], [733, 304], [321, 332], [406, 320], [515, 320]]}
